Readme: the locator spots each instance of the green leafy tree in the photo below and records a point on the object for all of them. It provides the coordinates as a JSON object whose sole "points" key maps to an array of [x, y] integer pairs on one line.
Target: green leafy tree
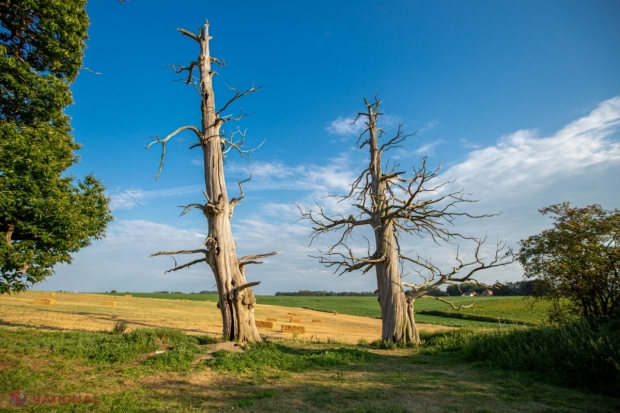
{"points": [[44, 215], [577, 262]]}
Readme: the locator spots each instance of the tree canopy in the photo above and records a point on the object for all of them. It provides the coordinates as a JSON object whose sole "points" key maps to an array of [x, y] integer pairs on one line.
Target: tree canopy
{"points": [[577, 261], [44, 214]]}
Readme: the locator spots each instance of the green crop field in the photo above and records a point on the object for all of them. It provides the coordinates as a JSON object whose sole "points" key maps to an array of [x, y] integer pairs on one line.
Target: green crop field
{"points": [[487, 311]]}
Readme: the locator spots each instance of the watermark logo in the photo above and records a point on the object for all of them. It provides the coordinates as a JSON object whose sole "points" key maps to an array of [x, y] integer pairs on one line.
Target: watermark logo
{"points": [[18, 399]]}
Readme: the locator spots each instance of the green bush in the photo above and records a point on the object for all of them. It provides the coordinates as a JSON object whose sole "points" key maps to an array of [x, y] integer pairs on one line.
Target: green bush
{"points": [[584, 353]]}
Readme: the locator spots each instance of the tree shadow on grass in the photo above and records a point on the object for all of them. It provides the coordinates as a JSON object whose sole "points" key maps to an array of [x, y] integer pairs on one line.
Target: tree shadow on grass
{"points": [[391, 383]]}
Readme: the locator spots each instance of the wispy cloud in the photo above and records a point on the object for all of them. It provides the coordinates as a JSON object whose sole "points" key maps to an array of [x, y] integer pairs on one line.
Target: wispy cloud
{"points": [[132, 197], [336, 175], [524, 160], [349, 127], [346, 126], [429, 148], [429, 125], [469, 145]]}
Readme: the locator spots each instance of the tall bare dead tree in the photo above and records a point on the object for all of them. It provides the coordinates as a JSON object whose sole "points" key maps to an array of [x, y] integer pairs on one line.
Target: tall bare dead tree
{"points": [[393, 205], [236, 299]]}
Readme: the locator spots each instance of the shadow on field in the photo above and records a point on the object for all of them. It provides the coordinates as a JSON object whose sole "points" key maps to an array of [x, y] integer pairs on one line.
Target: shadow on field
{"points": [[10, 324], [391, 383]]}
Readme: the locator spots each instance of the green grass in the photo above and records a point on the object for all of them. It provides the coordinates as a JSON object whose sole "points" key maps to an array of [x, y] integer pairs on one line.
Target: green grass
{"points": [[585, 353], [280, 357], [108, 348], [283, 376]]}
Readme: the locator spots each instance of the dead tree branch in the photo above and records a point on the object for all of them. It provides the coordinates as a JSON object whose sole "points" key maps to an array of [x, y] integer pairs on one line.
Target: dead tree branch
{"points": [[166, 139], [451, 304]]}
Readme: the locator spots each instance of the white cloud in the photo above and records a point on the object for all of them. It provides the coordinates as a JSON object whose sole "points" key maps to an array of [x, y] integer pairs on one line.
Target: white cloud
{"points": [[429, 148], [429, 125], [132, 197], [523, 160], [335, 176], [121, 261], [346, 126], [469, 145]]}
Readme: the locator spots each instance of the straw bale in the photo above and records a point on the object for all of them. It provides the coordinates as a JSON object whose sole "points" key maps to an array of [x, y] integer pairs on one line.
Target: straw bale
{"points": [[47, 301], [275, 320], [49, 294], [110, 303], [263, 324], [314, 320], [293, 329]]}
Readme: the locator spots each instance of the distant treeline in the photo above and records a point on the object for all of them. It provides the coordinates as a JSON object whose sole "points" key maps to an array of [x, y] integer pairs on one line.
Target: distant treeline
{"points": [[308, 293], [506, 289]]}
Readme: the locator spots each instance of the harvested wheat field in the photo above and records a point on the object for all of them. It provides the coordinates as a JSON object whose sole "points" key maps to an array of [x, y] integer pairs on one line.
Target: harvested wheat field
{"points": [[86, 312]]}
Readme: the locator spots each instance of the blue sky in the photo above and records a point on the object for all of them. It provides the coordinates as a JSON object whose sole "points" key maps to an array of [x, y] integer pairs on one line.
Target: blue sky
{"points": [[518, 101]]}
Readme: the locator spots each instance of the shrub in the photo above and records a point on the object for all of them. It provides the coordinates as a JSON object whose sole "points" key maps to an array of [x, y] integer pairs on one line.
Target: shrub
{"points": [[120, 327], [585, 353]]}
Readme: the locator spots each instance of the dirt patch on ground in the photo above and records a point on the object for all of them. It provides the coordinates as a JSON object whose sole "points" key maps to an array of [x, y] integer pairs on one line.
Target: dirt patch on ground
{"points": [[227, 346]]}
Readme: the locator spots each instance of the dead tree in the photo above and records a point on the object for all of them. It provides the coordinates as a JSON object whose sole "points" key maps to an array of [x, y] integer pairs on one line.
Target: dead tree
{"points": [[393, 205], [236, 299]]}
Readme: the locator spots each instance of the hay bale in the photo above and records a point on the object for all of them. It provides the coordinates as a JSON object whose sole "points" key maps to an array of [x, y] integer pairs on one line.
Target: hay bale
{"points": [[49, 294], [314, 320], [295, 314], [127, 295], [293, 329], [294, 320], [185, 300], [275, 320], [109, 303], [263, 324], [46, 301]]}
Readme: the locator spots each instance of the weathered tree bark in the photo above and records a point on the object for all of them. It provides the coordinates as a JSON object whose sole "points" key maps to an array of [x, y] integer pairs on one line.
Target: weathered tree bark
{"points": [[236, 299], [396, 326], [375, 194]]}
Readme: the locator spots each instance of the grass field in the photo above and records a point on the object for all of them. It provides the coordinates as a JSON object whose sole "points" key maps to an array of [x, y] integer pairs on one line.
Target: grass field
{"points": [[488, 312], [316, 372], [125, 375]]}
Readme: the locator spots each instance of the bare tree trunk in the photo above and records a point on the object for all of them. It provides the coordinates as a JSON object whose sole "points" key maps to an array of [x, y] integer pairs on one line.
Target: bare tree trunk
{"points": [[236, 304], [397, 324], [236, 299], [394, 205]]}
